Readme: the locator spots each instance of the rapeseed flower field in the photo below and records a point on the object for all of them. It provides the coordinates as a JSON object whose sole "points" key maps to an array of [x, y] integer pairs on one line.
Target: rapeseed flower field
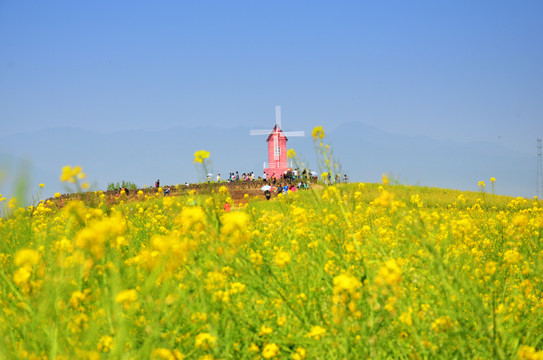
{"points": [[345, 271]]}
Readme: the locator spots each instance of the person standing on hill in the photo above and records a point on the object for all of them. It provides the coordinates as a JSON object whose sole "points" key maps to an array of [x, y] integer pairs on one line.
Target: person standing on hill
{"points": [[157, 183]]}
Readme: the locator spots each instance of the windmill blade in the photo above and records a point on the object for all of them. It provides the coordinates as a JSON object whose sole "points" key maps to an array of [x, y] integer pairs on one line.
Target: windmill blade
{"points": [[260, 132], [278, 116], [294, 133]]}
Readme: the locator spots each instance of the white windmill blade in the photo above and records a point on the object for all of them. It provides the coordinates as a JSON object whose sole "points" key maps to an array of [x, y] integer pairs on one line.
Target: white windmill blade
{"points": [[278, 116], [294, 133], [260, 132]]}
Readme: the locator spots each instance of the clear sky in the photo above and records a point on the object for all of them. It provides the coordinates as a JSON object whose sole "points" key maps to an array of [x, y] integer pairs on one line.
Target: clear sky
{"points": [[460, 70]]}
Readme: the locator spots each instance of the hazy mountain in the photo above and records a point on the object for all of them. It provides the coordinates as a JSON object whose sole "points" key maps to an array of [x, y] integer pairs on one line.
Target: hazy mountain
{"points": [[365, 153]]}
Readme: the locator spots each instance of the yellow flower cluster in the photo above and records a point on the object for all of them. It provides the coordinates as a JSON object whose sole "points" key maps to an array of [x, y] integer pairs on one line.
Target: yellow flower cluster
{"points": [[200, 156], [71, 175], [317, 133]]}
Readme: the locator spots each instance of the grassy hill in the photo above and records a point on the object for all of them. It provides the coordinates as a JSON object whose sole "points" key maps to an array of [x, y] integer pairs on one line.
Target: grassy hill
{"points": [[342, 271]]}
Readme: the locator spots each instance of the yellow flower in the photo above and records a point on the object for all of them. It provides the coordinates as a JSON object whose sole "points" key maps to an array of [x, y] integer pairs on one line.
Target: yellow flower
{"points": [[205, 341], [299, 354], [529, 353], [270, 350], [442, 324], [200, 156], [41, 185], [481, 184], [166, 354], [346, 283], [26, 257], [385, 199], [22, 275], [105, 344], [12, 203], [126, 297], [317, 133], [57, 195], [492, 179], [234, 222], [254, 348], [385, 179], [324, 176], [291, 153], [389, 274], [512, 257], [490, 267], [406, 317], [70, 174], [265, 330], [317, 332], [282, 258]]}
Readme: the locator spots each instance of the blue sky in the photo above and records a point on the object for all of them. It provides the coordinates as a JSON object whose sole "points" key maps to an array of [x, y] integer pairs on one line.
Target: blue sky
{"points": [[459, 70]]}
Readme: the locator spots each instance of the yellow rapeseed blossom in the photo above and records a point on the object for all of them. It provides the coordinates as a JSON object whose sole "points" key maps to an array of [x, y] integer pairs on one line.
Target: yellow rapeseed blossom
{"points": [[26, 257], [105, 344], [384, 199], [407, 317], [166, 354], [71, 175], [126, 298], [265, 330], [385, 179], [529, 353], [490, 267], [512, 257], [235, 224], [270, 350], [441, 324], [282, 258], [200, 156], [95, 236], [389, 274], [317, 133], [205, 341], [299, 354], [191, 217], [12, 204], [291, 153], [317, 332]]}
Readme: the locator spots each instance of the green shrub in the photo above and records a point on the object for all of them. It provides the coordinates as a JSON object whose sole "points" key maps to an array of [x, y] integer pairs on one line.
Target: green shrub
{"points": [[124, 184]]}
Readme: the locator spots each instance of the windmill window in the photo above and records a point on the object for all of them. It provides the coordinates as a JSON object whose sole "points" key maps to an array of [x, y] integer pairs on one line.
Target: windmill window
{"points": [[277, 151]]}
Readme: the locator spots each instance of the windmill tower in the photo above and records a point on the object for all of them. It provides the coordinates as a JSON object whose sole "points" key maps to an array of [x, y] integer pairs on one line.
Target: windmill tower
{"points": [[277, 146]]}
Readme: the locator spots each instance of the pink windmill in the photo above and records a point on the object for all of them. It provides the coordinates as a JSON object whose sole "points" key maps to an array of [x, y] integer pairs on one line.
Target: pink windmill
{"points": [[277, 147]]}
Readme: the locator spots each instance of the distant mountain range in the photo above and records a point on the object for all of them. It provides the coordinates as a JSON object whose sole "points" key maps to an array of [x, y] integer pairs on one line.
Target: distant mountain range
{"points": [[364, 152]]}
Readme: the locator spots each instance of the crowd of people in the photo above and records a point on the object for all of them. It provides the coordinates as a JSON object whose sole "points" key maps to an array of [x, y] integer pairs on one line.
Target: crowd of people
{"points": [[306, 175], [250, 176]]}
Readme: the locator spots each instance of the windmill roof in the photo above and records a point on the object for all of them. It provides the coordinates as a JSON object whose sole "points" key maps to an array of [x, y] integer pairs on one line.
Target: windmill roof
{"points": [[273, 131]]}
